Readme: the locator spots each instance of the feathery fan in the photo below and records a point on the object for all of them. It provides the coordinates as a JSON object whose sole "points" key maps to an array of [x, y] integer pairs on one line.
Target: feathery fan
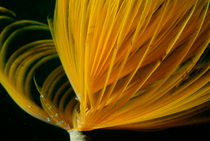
{"points": [[117, 64]]}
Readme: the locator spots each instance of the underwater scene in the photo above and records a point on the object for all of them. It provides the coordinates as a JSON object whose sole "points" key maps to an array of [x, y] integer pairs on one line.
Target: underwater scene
{"points": [[104, 70]]}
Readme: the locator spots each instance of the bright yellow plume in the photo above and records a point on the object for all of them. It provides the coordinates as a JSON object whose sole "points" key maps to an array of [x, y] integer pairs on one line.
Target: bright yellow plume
{"points": [[132, 64]]}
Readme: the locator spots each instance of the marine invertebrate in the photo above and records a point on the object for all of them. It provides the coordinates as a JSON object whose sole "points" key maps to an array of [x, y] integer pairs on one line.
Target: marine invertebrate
{"points": [[132, 64]]}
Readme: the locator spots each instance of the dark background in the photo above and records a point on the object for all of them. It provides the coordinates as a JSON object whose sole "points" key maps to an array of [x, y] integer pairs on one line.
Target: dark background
{"points": [[15, 123]]}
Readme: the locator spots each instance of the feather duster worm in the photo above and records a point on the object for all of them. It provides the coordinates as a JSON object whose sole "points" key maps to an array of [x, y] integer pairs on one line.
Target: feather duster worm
{"points": [[122, 64]]}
